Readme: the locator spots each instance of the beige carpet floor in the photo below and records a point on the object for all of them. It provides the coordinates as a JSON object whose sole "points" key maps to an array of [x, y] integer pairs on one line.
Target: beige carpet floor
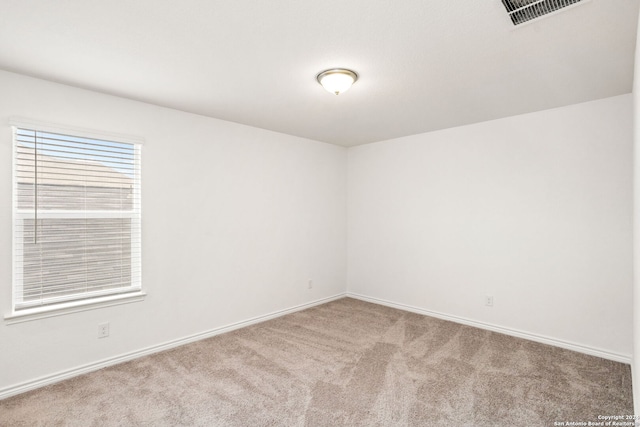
{"points": [[345, 363]]}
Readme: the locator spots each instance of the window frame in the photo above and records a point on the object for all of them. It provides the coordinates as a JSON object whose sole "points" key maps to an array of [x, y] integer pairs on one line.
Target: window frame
{"points": [[94, 299]]}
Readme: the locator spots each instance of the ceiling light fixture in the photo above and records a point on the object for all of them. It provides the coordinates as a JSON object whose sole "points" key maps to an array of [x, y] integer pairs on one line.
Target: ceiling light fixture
{"points": [[337, 80]]}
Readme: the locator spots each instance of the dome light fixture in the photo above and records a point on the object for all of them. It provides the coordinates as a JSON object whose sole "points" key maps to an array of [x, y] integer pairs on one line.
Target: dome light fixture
{"points": [[337, 80]]}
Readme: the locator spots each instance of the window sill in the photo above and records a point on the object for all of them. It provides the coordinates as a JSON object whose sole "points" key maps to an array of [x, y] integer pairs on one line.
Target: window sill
{"points": [[72, 307]]}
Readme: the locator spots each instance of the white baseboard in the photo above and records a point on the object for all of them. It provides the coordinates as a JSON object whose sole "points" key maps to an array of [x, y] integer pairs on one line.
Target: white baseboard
{"points": [[70, 373], [60, 376], [592, 351]]}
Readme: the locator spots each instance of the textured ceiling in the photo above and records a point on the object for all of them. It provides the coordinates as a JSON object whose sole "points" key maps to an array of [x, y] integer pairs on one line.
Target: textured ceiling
{"points": [[423, 65]]}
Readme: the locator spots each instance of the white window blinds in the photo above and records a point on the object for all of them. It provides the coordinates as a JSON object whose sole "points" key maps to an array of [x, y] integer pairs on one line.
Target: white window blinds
{"points": [[76, 218]]}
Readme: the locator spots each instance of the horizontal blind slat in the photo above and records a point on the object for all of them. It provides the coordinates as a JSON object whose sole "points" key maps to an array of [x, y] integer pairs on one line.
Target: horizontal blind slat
{"points": [[67, 145], [29, 133], [77, 286], [75, 281]]}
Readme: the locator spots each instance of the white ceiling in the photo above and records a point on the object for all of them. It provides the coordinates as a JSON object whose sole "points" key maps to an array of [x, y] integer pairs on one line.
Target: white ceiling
{"points": [[423, 64]]}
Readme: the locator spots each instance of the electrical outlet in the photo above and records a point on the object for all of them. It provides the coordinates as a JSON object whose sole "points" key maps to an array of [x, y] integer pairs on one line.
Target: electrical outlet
{"points": [[488, 300], [310, 285], [103, 330]]}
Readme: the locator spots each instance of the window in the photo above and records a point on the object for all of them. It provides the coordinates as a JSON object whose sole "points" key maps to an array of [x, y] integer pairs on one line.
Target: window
{"points": [[76, 209]]}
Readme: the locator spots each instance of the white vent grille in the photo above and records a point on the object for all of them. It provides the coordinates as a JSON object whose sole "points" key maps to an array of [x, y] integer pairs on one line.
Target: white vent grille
{"points": [[521, 11]]}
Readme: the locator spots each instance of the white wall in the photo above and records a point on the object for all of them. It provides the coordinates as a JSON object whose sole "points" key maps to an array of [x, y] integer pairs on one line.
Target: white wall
{"points": [[235, 221], [635, 367], [535, 210]]}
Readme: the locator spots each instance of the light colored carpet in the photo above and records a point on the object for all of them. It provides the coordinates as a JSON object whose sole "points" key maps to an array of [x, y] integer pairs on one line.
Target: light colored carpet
{"points": [[345, 363]]}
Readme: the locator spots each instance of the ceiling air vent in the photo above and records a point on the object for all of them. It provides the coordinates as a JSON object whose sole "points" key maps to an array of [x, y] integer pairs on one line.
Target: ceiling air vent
{"points": [[522, 11]]}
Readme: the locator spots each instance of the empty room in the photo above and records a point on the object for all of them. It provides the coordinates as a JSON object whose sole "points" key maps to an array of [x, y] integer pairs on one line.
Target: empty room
{"points": [[338, 213]]}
